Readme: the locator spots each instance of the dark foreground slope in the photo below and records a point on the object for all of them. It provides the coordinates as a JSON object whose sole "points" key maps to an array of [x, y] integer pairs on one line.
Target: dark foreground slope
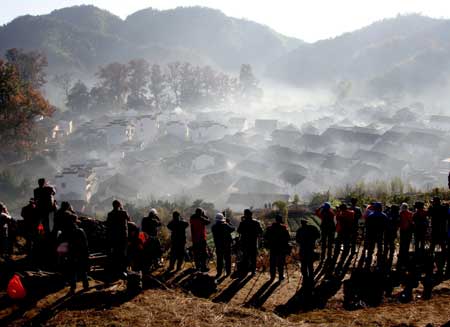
{"points": [[173, 308], [252, 303]]}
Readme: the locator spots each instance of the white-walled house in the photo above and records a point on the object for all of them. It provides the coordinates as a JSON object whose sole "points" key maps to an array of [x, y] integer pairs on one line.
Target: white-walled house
{"points": [[238, 124], [61, 129], [119, 131], [146, 128], [177, 128], [75, 183], [206, 131], [266, 126], [439, 122]]}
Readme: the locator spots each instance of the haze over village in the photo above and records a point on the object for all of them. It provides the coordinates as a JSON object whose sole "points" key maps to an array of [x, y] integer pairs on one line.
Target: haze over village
{"points": [[263, 132], [191, 167]]}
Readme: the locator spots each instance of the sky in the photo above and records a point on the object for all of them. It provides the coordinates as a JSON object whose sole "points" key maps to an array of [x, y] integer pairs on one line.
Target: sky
{"points": [[309, 20]]}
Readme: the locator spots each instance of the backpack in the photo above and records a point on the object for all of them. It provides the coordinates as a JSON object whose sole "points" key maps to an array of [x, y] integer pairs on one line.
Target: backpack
{"points": [[16, 290]]}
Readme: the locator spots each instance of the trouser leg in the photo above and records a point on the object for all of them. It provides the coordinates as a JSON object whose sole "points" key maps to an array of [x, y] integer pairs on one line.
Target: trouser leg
{"points": [[337, 247], [201, 255], [273, 265], [173, 257], [370, 250], [323, 243], [281, 260], [180, 256], [227, 259], [220, 260], [330, 243], [245, 260]]}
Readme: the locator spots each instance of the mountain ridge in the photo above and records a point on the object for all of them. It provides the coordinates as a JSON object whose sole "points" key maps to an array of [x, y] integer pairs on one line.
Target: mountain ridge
{"points": [[86, 36]]}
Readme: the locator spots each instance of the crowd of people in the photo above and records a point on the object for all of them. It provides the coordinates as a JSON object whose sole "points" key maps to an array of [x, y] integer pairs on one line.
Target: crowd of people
{"points": [[138, 248]]}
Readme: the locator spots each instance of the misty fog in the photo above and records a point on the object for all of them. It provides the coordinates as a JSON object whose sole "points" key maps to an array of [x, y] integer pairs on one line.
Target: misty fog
{"points": [[239, 139]]}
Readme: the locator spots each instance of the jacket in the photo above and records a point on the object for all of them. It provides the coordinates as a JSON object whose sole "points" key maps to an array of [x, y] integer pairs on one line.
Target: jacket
{"points": [[117, 226], [249, 231], [277, 238], [178, 231], [222, 234], [198, 227]]}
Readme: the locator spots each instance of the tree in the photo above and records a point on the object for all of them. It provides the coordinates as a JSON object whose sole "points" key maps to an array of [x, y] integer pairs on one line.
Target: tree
{"points": [[20, 105], [157, 86], [114, 83], [65, 82], [78, 98], [248, 84], [190, 93], [139, 72], [29, 66], [174, 81]]}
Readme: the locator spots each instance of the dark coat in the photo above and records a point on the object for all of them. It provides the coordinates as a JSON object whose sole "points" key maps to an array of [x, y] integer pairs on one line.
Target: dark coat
{"points": [[78, 255], [44, 197], [249, 231], [277, 238], [222, 234], [376, 225], [439, 219], [178, 231], [306, 238], [117, 226], [150, 225]]}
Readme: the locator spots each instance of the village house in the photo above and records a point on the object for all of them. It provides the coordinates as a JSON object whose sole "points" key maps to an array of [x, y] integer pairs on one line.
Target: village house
{"points": [[206, 131], [247, 184], [119, 131], [286, 137], [237, 124], [146, 128], [178, 129], [76, 184], [241, 201], [62, 129], [117, 186], [194, 161], [231, 150], [266, 126], [439, 122], [314, 142]]}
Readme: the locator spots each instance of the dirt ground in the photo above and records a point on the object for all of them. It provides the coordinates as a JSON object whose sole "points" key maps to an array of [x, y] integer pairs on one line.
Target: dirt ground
{"points": [[250, 304]]}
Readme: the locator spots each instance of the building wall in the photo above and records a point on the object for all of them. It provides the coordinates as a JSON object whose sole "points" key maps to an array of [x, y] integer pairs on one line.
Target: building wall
{"points": [[179, 130], [71, 184], [147, 129]]}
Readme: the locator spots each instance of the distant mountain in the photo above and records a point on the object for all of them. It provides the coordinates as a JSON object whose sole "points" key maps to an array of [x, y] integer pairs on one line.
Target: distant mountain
{"points": [[404, 54], [83, 37]]}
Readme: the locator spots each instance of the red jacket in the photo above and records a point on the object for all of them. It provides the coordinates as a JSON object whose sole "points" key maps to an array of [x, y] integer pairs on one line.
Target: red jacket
{"points": [[406, 220], [345, 221], [198, 228]]}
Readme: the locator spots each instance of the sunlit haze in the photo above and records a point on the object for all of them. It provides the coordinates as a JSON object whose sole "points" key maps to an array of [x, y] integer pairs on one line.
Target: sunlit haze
{"points": [[307, 20]]}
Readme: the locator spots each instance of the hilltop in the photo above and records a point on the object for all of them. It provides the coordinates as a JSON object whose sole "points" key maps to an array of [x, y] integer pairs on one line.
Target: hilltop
{"points": [[399, 55], [82, 37]]}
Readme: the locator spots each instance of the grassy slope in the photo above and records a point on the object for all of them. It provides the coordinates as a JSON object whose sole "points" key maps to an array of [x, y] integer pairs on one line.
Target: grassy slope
{"points": [[174, 307]]}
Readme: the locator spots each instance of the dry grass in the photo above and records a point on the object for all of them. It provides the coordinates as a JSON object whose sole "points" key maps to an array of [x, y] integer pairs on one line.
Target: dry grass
{"points": [[168, 308], [175, 308]]}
